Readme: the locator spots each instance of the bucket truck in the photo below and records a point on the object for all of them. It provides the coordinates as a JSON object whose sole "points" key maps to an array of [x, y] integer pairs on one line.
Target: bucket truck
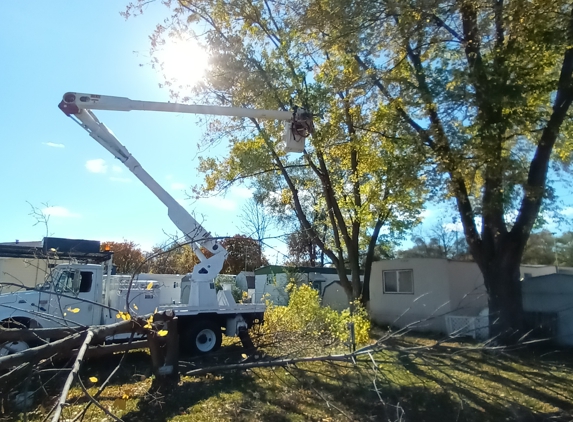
{"points": [[84, 294]]}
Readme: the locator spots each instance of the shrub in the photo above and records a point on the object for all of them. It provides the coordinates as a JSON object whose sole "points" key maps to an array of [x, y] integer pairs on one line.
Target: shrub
{"points": [[305, 324]]}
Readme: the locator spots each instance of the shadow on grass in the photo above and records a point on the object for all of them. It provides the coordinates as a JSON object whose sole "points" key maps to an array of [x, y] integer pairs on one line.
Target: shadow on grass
{"points": [[438, 385], [509, 387]]}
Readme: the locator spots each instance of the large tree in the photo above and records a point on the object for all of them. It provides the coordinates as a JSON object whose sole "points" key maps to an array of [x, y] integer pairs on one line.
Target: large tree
{"points": [[481, 87], [359, 172], [486, 87], [244, 254], [127, 256]]}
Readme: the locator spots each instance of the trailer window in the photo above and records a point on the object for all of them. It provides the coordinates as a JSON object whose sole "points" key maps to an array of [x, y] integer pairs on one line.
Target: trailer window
{"points": [[398, 281]]}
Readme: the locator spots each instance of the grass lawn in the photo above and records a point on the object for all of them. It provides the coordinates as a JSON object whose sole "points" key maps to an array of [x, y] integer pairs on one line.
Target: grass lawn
{"points": [[410, 382]]}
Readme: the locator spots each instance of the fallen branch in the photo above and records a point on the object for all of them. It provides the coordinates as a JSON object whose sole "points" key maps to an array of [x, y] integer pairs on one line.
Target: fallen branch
{"points": [[93, 400], [18, 334], [65, 347], [93, 351], [45, 351], [271, 363], [81, 415], [17, 372], [72, 375], [103, 350]]}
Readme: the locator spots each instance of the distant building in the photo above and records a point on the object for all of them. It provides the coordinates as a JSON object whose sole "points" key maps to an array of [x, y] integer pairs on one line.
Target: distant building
{"points": [[548, 306], [418, 293], [447, 296], [271, 282], [28, 263], [245, 281]]}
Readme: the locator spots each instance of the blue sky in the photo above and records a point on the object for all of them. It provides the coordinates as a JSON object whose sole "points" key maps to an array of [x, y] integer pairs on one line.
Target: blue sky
{"points": [[49, 48]]}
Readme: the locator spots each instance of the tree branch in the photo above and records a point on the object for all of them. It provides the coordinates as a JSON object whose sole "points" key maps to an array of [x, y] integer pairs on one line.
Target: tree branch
{"points": [[447, 158], [537, 177], [73, 373], [298, 207]]}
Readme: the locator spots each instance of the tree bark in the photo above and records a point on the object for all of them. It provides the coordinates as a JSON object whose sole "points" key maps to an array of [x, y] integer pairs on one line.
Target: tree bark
{"points": [[164, 350], [369, 259], [18, 334], [503, 283], [68, 344]]}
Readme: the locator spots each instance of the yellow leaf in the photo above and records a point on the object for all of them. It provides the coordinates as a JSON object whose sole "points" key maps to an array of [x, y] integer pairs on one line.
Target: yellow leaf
{"points": [[93, 379], [149, 321], [135, 307], [119, 403], [65, 313], [244, 356], [73, 310], [162, 333], [150, 285], [125, 396], [123, 315]]}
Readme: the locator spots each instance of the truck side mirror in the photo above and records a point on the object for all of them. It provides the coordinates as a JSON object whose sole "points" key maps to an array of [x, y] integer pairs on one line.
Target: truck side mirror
{"points": [[76, 281]]}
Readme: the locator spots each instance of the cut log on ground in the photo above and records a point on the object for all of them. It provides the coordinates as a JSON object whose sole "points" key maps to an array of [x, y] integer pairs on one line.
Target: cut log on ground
{"points": [[17, 334], [65, 346]]}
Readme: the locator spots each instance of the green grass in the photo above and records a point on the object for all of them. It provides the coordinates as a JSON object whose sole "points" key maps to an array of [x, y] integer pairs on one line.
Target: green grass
{"points": [[442, 384]]}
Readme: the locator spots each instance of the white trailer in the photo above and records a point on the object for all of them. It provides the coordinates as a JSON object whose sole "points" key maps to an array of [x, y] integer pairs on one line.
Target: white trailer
{"points": [[87, 294]]}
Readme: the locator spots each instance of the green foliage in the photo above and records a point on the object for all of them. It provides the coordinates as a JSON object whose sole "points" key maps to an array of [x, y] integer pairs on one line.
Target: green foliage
{"points": [[305, 324], [360, 169], [543, 248], [466, 100]]}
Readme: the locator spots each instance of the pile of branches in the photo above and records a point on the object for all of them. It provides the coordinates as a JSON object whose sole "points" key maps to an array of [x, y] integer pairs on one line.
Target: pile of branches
{"points": [[77, 344]]}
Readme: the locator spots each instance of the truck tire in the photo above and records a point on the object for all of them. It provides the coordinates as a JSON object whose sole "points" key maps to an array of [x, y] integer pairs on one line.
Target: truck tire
{"points": [[13, 347], [202, 337]]}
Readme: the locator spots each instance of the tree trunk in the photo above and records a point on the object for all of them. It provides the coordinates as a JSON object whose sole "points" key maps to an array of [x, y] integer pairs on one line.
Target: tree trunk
{"points": [[369, 260], [502, 280]]}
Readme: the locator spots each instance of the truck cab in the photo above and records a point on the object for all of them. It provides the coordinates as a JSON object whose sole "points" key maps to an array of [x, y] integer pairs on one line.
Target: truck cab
{"points": [[70, 296]]}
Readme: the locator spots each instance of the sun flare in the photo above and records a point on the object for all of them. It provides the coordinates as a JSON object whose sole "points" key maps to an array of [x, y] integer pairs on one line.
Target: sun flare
{"points": [[183, 60]]}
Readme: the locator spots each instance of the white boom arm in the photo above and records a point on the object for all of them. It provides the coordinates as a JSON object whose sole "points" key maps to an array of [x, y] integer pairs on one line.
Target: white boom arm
{"points": [[300, 121], [79, 106]]}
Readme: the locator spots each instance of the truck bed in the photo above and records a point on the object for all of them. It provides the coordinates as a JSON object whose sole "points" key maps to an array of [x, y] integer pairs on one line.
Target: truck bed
{"points": [[246, 308]]}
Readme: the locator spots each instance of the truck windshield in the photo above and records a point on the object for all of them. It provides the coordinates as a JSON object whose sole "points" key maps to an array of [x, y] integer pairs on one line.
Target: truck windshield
{"points": [[64, 282]]}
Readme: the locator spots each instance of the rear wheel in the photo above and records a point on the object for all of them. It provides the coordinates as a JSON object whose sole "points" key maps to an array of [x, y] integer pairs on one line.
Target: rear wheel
{"points": [[202, 337]]}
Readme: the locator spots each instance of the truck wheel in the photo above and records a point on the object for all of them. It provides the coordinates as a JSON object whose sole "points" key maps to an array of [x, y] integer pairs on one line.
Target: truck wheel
{"points": [[13, 347], [202, 337]]}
